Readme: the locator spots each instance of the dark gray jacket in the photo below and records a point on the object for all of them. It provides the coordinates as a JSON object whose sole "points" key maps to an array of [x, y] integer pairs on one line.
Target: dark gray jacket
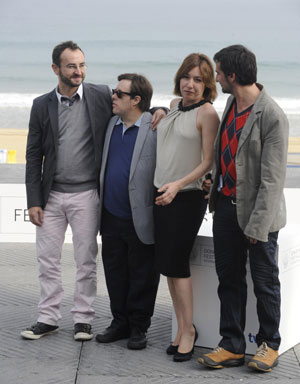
{"points": [[41, 153]]}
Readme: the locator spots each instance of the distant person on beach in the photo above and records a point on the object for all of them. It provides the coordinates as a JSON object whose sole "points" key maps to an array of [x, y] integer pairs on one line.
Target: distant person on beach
{"points": [[126, 213], [185, 139], [64, 150], [249, 209]]}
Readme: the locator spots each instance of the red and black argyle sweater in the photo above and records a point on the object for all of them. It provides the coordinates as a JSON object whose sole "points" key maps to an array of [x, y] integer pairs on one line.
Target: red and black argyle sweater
{"points": [[230, 134]]}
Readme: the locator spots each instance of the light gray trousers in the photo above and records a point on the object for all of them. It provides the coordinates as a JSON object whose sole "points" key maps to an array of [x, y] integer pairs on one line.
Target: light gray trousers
{"points": [[81, 211]]}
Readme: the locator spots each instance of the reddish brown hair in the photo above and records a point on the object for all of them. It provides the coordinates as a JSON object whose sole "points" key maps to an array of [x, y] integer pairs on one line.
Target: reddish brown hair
{"points": [[207, 74]]}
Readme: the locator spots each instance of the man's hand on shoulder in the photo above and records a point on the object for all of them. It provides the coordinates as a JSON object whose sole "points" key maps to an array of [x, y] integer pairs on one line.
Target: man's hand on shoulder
{"points": [[36, 215], [157, 116]]}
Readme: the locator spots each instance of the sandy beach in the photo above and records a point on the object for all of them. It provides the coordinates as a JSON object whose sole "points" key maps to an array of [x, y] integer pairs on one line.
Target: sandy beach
{"points": [[15, 139]]}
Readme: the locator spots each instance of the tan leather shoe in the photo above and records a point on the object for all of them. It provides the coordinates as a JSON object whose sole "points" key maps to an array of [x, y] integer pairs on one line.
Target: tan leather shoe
{"points": [[265, 359], [220, 358]]}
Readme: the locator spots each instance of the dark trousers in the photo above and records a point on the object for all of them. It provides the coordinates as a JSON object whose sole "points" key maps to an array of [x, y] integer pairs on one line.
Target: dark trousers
{"points": [[231, 250], [130, 273]]}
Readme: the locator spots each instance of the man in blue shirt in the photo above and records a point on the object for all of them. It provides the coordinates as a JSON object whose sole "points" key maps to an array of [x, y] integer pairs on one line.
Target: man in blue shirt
{"points": [[126, 217]]}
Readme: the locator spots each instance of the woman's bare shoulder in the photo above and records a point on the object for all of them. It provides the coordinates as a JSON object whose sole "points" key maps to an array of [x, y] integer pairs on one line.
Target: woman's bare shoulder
{"points": [[207, 109], [207, 116], [175, 102]]}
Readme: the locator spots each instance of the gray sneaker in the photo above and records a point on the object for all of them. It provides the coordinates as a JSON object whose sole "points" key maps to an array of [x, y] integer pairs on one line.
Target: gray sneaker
{"points": [[38, 330], [82, 332]]}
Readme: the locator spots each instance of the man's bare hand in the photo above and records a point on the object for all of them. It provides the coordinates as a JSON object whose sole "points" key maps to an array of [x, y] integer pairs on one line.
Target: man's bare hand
{"points": [[36, 215], [157, 116], [251, 240], [206, 185]]}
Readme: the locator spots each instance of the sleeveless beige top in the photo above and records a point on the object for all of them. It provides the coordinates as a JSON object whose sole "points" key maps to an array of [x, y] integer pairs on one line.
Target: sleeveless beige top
{"points": [[179, 149]]}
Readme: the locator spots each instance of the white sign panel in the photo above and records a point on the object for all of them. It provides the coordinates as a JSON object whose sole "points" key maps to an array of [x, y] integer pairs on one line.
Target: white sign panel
{"points": [[14, 220]]}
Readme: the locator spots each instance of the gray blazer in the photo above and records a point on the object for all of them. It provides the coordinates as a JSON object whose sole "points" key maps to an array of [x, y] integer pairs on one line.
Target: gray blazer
{"points": [[41, 153], [141, 188], [260, 168]]}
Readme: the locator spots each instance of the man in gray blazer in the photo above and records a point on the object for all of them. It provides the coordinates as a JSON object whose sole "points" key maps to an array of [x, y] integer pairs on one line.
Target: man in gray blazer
{"points": [[64, 149], [126, 213], [249, 209]]}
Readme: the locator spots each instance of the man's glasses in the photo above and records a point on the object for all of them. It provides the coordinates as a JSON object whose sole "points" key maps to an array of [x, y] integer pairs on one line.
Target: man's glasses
{"points": [[121, 93]]}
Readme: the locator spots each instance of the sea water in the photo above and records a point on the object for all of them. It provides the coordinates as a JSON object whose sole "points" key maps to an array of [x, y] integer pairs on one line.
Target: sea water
{"points": [[25, 73]]}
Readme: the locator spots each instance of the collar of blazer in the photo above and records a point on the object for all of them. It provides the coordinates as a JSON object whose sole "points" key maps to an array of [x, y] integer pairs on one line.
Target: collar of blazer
{"points": [[89, 95], [141, 137], [53, 115]]}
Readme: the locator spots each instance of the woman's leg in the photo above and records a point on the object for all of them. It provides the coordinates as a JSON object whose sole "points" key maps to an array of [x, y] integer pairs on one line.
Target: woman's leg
{"points": [[183, 303], [177, 310]]}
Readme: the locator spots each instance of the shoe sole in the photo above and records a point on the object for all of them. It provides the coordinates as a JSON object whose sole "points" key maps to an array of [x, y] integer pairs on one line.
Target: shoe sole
{"points": [[182, 359], [82, 336], [172, 349], [224, 364], [136, 347], [253, 365], [29, 335], [106, 341]]}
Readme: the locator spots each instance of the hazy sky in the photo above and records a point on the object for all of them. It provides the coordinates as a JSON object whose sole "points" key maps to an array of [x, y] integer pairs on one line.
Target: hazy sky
{"points": [[269, 20]]}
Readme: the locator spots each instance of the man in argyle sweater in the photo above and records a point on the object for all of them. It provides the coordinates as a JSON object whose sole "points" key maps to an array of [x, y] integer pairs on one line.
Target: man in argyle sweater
{"points": [[249, 210]]}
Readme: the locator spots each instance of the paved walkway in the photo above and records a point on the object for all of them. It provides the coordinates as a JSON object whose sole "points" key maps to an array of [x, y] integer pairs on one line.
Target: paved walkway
{"points": [[59, 359]]}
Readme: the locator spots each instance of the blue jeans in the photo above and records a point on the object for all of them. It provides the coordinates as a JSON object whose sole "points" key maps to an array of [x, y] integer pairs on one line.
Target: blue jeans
{"points": [[231, 251]]}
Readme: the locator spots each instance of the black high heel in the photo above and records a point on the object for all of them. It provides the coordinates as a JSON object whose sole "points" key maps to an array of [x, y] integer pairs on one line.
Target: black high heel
{"points": [[180, 357], [172, 349]]}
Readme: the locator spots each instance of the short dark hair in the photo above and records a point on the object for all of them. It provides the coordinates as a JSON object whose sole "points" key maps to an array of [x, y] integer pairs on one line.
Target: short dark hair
{"points": [[207, 74], [58, 50], [239, 60], [140, 86]]}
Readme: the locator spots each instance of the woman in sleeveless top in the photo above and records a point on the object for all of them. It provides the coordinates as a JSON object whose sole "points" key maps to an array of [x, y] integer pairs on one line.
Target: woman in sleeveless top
{"points": [[185, 139]]}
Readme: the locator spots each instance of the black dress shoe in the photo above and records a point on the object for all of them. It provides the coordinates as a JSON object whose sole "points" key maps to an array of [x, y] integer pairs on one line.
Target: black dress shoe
{"points": [[138, 340], [180, 357], [112, 334], [172, 349]]}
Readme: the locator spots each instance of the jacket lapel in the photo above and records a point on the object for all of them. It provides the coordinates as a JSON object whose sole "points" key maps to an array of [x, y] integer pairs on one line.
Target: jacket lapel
{"points": [[218, 139], [247, 129], [89, 96], [141, 137], [53, 114], [256, 110], [109, 132]]}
